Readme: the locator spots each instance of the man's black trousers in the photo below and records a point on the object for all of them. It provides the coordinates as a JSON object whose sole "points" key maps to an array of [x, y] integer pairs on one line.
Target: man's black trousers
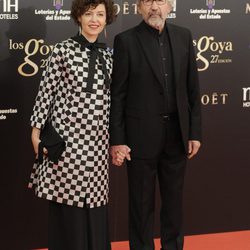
{"points": [[169, 167]]}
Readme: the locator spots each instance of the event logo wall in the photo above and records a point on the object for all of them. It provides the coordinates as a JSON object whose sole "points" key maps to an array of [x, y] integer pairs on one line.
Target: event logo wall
{"points": [[173, 13], [5, 112], [248, 8], [210, 11], [56, 14], [211, 51], [246, 97], [127, 8], [214, 98], [58, 4], [32, 48], [8, 9], [246, 91]]}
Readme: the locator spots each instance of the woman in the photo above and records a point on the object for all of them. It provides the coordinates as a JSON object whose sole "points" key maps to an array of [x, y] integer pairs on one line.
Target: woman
{"points": [[74, 97]]}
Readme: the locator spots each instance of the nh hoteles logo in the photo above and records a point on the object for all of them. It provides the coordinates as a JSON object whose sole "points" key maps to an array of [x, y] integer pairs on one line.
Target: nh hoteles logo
{"points": [[10, 6], [246, 97], [8, 9]]}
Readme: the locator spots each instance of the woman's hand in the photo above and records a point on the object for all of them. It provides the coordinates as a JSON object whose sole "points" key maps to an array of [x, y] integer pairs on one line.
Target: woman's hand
{"points": [[119, 153], [35, 138]]}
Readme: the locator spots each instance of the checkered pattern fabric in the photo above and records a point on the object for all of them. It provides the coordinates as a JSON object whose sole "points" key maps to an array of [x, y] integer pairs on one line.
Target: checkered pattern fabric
{"points": [[81, 118]]}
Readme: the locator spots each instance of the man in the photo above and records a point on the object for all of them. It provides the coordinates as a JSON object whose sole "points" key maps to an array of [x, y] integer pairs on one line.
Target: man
{"points": [[155, 113]]}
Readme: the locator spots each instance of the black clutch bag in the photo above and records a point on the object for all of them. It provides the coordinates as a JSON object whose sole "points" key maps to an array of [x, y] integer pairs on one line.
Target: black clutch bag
{"points": [[52, 141]]}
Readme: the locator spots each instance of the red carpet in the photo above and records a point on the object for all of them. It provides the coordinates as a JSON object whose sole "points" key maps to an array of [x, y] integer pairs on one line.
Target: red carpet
{"points": [[220, 241]]}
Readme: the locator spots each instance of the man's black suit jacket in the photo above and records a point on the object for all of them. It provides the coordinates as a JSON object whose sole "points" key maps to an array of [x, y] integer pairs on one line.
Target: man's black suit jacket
{"points": [[137, 90]]}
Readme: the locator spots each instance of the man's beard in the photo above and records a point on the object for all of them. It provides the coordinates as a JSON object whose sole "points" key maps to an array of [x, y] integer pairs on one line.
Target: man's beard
{"points": [[156, 21]]}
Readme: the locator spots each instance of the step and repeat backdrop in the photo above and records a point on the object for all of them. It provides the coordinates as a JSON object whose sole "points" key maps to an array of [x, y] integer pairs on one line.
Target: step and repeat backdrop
{"points": [[217, 187]]}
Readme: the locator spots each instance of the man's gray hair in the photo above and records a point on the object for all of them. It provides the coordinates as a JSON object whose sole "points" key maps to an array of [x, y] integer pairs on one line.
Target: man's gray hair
{"points": [[172, 3]]}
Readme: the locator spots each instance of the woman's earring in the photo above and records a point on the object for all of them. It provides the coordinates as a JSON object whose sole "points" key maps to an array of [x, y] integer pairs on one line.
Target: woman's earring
{"points": [[80, 30], [105, 32]]}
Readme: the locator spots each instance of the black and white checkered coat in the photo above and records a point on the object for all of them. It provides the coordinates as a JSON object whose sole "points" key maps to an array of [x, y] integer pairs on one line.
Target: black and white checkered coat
{"points": [[81, 118]]}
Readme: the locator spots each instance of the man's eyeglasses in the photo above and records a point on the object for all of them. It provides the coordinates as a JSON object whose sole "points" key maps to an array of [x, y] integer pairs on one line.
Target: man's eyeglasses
{"points": [[150, 2]]}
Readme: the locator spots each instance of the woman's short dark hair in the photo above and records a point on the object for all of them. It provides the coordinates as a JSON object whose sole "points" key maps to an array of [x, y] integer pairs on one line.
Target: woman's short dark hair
{"points": [[79, 7]]}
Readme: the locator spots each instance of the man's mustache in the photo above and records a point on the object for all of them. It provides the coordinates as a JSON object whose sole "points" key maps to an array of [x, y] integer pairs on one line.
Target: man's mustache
{"points": [[154, 14]]}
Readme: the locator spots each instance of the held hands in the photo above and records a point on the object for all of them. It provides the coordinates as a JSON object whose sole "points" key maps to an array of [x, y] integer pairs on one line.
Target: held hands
{"points": [[193, 147], [35, 138], [119, 153]]}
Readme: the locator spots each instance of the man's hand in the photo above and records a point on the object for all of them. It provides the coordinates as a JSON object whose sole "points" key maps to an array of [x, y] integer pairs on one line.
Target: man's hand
{"points": [[193, 147], [119, 153]]}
